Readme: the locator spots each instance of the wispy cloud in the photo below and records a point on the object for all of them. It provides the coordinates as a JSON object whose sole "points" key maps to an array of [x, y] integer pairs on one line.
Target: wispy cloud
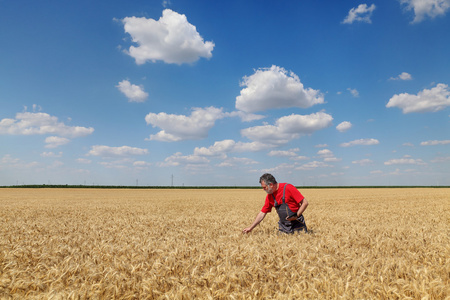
{"points": [[435, 142], [107, 151], [402, 76], [426, 8], [361, 142], [405, 160], [354, 92], [362, 13]]}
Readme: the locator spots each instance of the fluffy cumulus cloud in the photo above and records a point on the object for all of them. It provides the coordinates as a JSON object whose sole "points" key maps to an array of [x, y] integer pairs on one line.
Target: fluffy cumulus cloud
{"points": [[134, 93], [171, 39], [344, 126], [218, 149], [361, 142], [36, 123], [426, 8], [362, 13], [107, 151], [181, 127], [288, 128], [431, 100], [274, 87]]}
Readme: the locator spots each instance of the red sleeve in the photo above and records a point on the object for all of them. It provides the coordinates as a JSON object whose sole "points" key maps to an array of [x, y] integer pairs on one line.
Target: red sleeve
{"points": [[267, 208], [295, 194], [293, 198]]}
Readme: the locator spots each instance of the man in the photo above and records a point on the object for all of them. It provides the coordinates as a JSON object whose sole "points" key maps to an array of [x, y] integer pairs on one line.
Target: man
{"points": [[287, 200]]}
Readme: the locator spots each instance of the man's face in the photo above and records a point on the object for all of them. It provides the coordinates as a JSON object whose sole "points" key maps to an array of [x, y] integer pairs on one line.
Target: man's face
{"points": [[267, 188]]}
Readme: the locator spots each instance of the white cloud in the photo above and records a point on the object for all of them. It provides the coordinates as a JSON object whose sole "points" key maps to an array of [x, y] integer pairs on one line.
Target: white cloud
{"points": [[274, 87], [442, 159], [251, 147], [221, 148], [31, 123], [117, 164], [344, 126], [246, 117], [363, 162], [300, 157], [133, 92], [181, 127], [435, 142], [402, 76], [179, 159], [406, 160], [313, 165], [218, 149], [321, 146], [8, 161], [424, 8], [237, 161], [141, 165], [362, 13], [171, 39], [332, 159], [432, 100], [51, 154], [327, 155], [84, 161], [107, 151], [284, 153], [354, 92], [55, 141], [362, 142], [288, 128]]}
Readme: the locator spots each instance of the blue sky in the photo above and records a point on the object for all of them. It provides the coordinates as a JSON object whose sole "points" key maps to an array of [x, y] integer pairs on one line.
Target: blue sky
{"points": [[217, 93]]}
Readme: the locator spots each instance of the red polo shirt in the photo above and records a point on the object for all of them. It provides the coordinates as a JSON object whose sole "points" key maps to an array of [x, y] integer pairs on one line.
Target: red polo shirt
{"points": [[292, 197]]}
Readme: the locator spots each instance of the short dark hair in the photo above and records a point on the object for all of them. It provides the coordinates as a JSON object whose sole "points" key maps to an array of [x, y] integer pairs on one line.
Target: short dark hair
{"points": [[268, 179]]}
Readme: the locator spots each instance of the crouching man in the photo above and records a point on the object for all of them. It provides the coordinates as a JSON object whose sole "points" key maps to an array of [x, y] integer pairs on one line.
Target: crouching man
{"points": [[287, 200]]}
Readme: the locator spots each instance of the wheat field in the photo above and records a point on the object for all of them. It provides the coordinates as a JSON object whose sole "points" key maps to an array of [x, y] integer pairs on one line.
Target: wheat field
{"points": [[187, 244]]}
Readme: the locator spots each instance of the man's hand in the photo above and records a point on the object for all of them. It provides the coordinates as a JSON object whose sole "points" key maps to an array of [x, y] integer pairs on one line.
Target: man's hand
{"points": [[293, 218], [258, 219], [247, 230]]}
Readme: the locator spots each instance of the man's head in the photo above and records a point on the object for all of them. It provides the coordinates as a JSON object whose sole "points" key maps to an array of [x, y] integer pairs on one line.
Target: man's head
{"points": [[268, 183]]}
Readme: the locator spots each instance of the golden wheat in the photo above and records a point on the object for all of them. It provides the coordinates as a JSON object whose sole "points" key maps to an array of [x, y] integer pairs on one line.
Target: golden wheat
{"points": [[186, 244]]}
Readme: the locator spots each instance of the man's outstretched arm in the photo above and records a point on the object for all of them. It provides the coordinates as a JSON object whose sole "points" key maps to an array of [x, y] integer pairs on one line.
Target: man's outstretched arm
{"points": [[258, 220]]}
